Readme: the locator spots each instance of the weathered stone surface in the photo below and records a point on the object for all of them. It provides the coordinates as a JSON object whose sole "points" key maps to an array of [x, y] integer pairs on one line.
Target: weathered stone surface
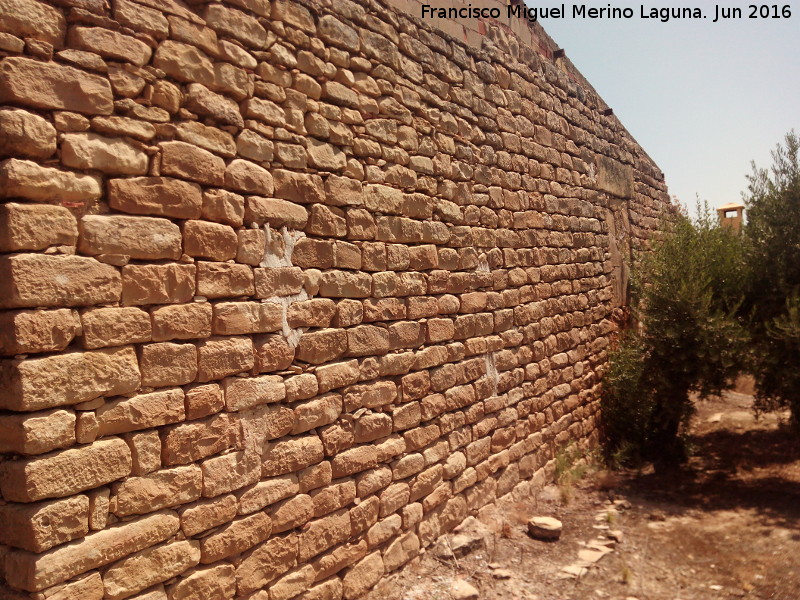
{"points": [[35, 227], [25, 134], [291, 455], [26, 179], [203, 515], [65, 472], [185, 63], [33, 19], [39, 527], [363, 576], [209, 138], [230, 472], [148, 567], [324, 156], [242, 393], [162, 489], [292, 584], [235, 538], [189, 442], [274, 212], [266, 562], [111, 44], [223, 206], [220, 108], [220, 357], [157, 284], [37, 433], [544, 528], [182, 322], [165, 364], [268, 492], [115, 327], [88, 588], [209, 240], [212, 583], [237, 318], [146, 238], [156, 196], [49, 85], [96, 152], [245, 176], [141, 411], [30, 280], [68, 378], [190, 162], [32, 331]]}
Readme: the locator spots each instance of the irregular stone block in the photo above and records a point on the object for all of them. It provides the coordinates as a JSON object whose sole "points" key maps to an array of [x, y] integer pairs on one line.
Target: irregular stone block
{"points": [[32, 331], [68, 378], [25, 134], [30, 280], [162, 489], [35, 227], [274, 212], [91, 151], [156, 196], [141, 412], [149, 567], [190, 162], [209, 240], [157, 284], [182, 322], [146, 238], [38, 527], [241, 318], [37, 433], [26, 179], [235, 538], [33, 19], [220, 357], [111, 44], [167, 364], [115, 327], [52, 86], [65, 472]]}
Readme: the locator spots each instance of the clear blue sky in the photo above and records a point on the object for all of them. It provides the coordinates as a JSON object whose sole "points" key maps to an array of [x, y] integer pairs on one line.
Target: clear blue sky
{"points": [[702, 98]]}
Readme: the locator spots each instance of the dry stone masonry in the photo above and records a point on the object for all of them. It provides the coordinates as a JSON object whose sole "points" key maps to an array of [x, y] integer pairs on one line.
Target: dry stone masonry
{"points": [[290, 288]]}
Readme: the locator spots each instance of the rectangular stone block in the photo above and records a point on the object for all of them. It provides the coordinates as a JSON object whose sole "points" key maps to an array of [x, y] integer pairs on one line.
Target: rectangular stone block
{"points": [[31, 280], [209, 240], [273, 353], [110, 155], [204, 515], [166, 364], [69, 378], [291, 455], [189, 442], [52, 86], [156, 196], [65, 472], [30, 180], [161, 489], [37, 433], [148, 567], [190, 162], [240, 318], [181, 322], [33, 331], [236, 537], [35, 227], [142, 411], [230, 472], [266, 563], [115, 327], [223, 356], [246, 392], [157, 284], [224, 280], [39, 527], [145, 238]]}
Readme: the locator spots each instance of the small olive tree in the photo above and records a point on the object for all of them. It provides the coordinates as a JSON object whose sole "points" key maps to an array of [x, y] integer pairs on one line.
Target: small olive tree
{"points": [[772, 253], [687, 339]]}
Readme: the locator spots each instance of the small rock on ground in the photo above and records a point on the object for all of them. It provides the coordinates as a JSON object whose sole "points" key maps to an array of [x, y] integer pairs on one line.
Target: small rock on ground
{"points": [[544, 528], [462, 590]]}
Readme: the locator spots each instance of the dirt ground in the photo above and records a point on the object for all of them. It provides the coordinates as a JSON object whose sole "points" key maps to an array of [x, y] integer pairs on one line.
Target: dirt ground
{"points": [[727, 525]]}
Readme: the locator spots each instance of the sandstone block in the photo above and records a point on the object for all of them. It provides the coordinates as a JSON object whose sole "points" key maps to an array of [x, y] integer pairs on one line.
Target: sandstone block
{"points": [[26, 179], [365, 574], [245, 176], [115, 327], [146, 455], [265, 493], [223, 206], [246, 392], [251, 145], [51, 86], [302, 188], [273, 353], [65, 472], [203, 400], [37, 433], [264, 110], [25, 134], [141, 411], [311, 313], [274, 212], [209, 138], [141, 18], [204, 102], [88, 588], [30, 280], [35, 572], [157, 284], [38, 527], [35, 227], [209, 240], [162, 489], [68, 378], [190, 162], [278, 281], [189, 442], [291, 455], [354, 460], [185, 63], [238, 318], [345, 284], [181, 322], [322, 534], [337, 375], [329, 590], [149, 567], [33, 19], [96, 152], [265, 563], [335, 32], [318, 347], [167, 364], [202, 516], [236, 537], [236, 24], [367, 340], [111, 44], [320, 411], [224, 280], [212, 583], [220, 357], [292, 584], [156, 196], [324, 156], [146, 238], [32, 331], [230, 472], [301, 387]]}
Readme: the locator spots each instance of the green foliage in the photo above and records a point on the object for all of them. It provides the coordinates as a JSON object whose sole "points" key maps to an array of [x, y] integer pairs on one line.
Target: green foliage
{"points": [[772, 251], [685, 294]]}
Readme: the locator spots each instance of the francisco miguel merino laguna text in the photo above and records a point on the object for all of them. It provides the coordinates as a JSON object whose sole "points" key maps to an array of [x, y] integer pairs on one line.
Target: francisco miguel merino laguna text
{"points": [[579, 11]]}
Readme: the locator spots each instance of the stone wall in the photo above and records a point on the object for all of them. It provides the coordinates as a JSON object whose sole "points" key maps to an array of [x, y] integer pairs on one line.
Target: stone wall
{"points": [[289, 289]]}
